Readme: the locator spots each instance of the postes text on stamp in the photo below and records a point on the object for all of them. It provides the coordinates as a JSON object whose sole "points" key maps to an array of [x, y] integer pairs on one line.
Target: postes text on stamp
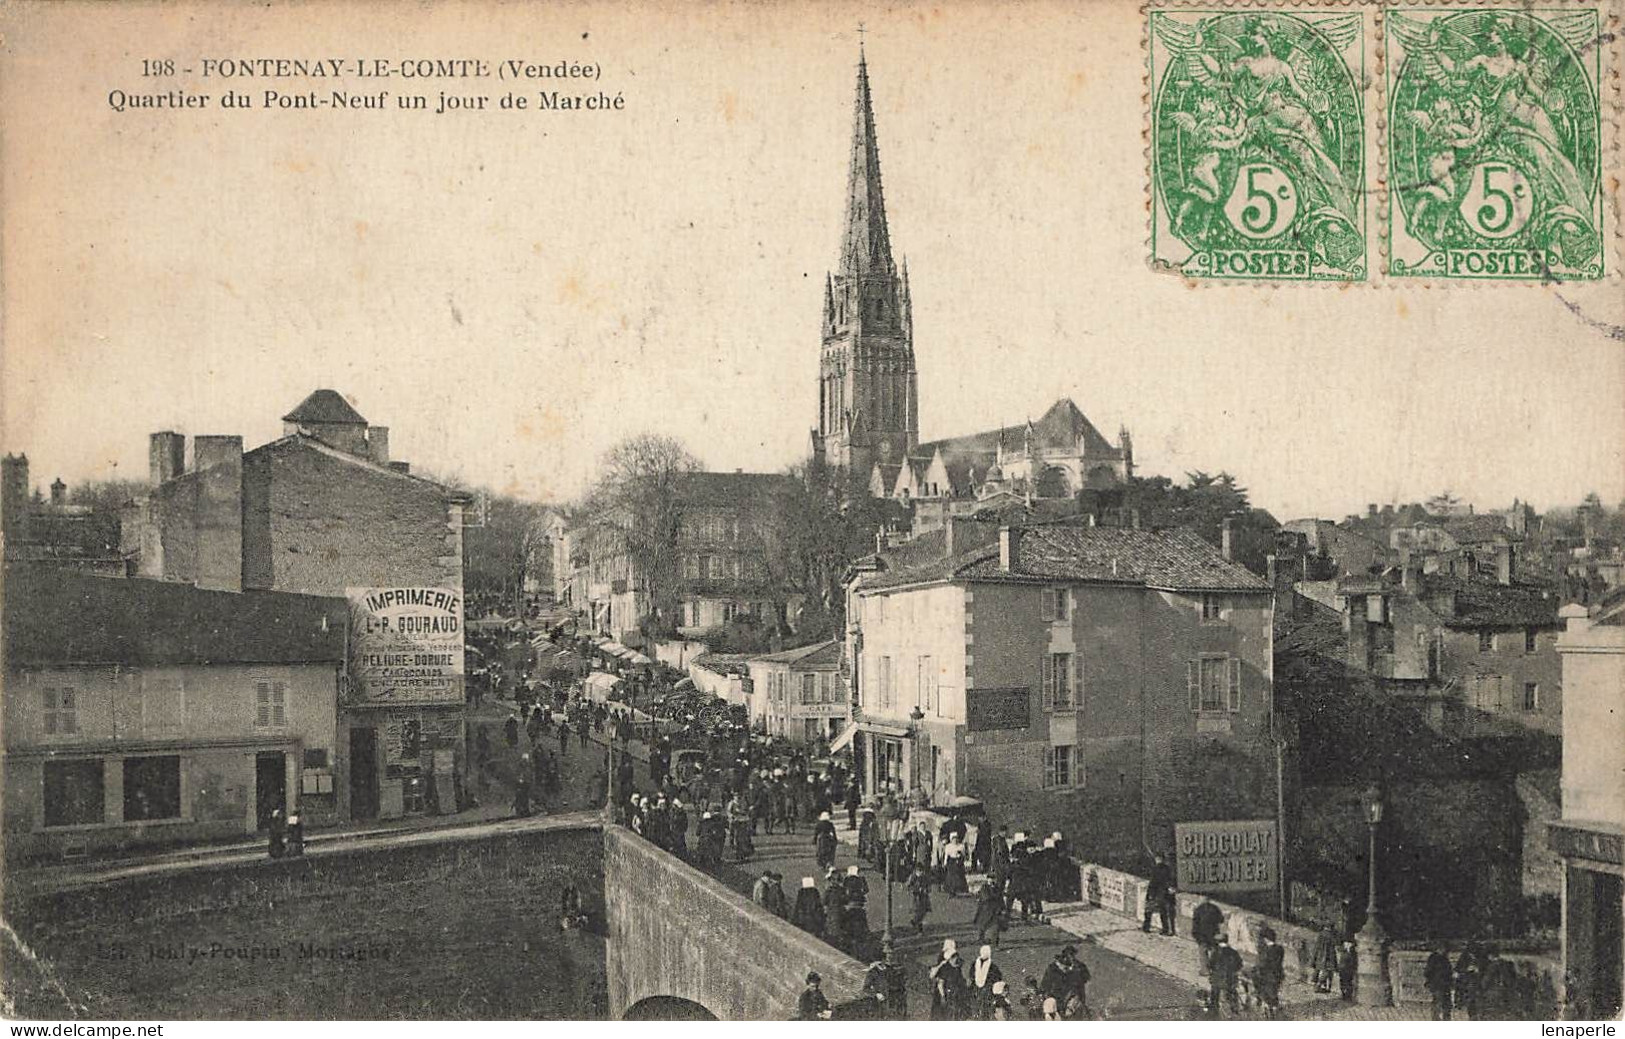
{"points": [[1257, 144], [1494, 143]]}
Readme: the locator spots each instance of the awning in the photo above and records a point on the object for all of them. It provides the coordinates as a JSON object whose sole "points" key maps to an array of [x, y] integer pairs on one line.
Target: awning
{"points": [[613, 648], [639, 658], [599, 684], [538, 642], [844, 740]]}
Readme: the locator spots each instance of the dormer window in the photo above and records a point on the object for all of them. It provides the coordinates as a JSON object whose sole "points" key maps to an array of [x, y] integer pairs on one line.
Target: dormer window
{"points": [[1213, 608]]}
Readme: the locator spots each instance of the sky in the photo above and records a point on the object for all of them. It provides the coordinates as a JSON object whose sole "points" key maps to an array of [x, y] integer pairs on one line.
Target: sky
{"points": [[513, 292]]}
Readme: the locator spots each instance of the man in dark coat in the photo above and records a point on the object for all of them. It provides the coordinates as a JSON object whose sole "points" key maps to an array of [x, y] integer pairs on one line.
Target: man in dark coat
{"points": [[1438, 978], [521, 795], [824, 841], [809, 910], [1205, 924], [919, 888], [510, 731], [812, 1006], [853, 799], [884, 984], [1226, 968], [1269, 972], [1159, 896], [989, 918], [1066, 980], [679, 830]]}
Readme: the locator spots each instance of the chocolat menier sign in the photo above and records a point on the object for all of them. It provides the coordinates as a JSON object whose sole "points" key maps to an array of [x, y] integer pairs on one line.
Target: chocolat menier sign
{"points": [[406, 645], [1226, 856]]}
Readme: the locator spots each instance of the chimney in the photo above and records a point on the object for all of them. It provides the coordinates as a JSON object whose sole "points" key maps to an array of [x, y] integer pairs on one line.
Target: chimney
{"points": [[378, 444], [1227, 538], [1410, 574], [1270, 571], [14, 513], [1371, 510], [59, 492], [1009, 541], [1134, 518], [166, 457], [218, 461], [1503, 563]]}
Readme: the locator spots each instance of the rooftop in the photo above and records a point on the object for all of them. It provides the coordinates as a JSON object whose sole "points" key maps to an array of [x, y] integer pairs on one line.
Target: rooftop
{"points": [[54, 617], [1175, 560], [325, 407]]}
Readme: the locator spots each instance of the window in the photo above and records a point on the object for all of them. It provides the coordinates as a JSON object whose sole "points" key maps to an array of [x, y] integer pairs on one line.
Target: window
{"points": [[1213, 607], [1214, 684], [73, 792], [152, 788], [61, 715], [1059, 768], [271, 699], [691, 568], [1057, 682], [809, 688], [705, 568], [1531, 696], [1530, 640], [315, 757], [1054, 604], [1486, 641], [885, 682], [1487, 693], [925, 684]]}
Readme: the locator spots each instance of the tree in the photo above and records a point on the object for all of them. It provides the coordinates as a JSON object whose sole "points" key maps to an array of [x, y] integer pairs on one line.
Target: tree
{"points": [[106, 499], [507, 550], [814, 531], [636, 510]]}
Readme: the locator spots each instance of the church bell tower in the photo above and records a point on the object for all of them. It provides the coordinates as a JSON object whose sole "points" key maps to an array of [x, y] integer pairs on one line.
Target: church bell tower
{"points": [[867, 392]]}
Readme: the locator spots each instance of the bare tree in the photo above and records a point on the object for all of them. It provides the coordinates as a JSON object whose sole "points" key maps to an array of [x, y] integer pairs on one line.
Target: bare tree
{"points": [[509, 548], [635, 511]]}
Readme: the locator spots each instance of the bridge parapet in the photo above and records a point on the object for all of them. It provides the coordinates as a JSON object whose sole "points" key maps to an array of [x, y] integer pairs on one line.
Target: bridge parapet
{"points": [[676, 932]]}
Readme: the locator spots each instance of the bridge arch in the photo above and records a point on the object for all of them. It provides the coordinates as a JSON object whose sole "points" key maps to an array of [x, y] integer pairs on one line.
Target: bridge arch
{"points": [[667, 1008]]}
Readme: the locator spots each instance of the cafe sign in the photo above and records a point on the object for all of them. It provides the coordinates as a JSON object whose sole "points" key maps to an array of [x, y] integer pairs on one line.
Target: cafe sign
{"points": [[1226, 856]]}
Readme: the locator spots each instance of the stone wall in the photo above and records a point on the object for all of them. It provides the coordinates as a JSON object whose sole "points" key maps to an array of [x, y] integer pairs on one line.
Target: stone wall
{"points": [[673, 931]]}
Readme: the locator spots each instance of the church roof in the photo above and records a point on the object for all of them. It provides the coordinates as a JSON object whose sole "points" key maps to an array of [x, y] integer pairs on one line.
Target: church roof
{"points": [[325, 407], [1061, 426]]}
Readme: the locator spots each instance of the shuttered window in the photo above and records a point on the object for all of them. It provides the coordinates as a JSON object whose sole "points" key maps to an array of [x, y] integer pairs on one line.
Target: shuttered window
{"points": [[1057, 682], [1213, 684]]}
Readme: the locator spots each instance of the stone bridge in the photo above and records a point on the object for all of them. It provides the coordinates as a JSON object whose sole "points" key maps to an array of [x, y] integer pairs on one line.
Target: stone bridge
{"points": [[684, 944]]}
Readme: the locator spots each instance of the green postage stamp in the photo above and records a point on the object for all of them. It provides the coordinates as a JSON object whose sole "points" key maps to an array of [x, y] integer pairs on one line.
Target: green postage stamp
{"points": [[1494, 143], [1258, 149]]}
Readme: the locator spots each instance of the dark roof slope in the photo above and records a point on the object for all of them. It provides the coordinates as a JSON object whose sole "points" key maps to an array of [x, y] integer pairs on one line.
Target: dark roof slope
{"points": [[56, 617], [1481, 604], [325, 407], [1176, 560], [1062, 425]]}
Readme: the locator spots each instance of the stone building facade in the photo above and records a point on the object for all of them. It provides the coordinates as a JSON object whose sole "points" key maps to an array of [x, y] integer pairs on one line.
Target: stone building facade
{"points": [[149, 712], [1105, 682], [323, 510]]}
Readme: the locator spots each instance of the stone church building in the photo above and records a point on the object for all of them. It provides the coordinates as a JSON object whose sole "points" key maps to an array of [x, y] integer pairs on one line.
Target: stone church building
{"points": [[868, 388]]}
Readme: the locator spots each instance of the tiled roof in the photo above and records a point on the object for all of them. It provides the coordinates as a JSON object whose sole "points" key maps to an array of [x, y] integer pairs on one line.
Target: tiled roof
{"points": [[723, 663], [1168, 559], [326, 407], [57, 617], [819, 655], [1481, 604], [1472, 530]]}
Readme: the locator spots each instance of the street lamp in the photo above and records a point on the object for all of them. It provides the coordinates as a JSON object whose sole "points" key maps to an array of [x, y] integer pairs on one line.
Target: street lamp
{"points": [[1371, 944]]}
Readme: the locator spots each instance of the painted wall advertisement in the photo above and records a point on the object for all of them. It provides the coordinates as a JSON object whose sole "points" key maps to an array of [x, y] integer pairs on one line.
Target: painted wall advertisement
{"points": [[406, 645], [1226, 856]]}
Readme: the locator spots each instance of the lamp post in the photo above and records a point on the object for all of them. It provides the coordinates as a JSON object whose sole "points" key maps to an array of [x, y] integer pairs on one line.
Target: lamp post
{"points": [[1371, 944]]}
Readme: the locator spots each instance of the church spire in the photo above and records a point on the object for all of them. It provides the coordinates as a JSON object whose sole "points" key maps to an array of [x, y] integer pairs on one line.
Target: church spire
{"points": [[867, 248]]}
